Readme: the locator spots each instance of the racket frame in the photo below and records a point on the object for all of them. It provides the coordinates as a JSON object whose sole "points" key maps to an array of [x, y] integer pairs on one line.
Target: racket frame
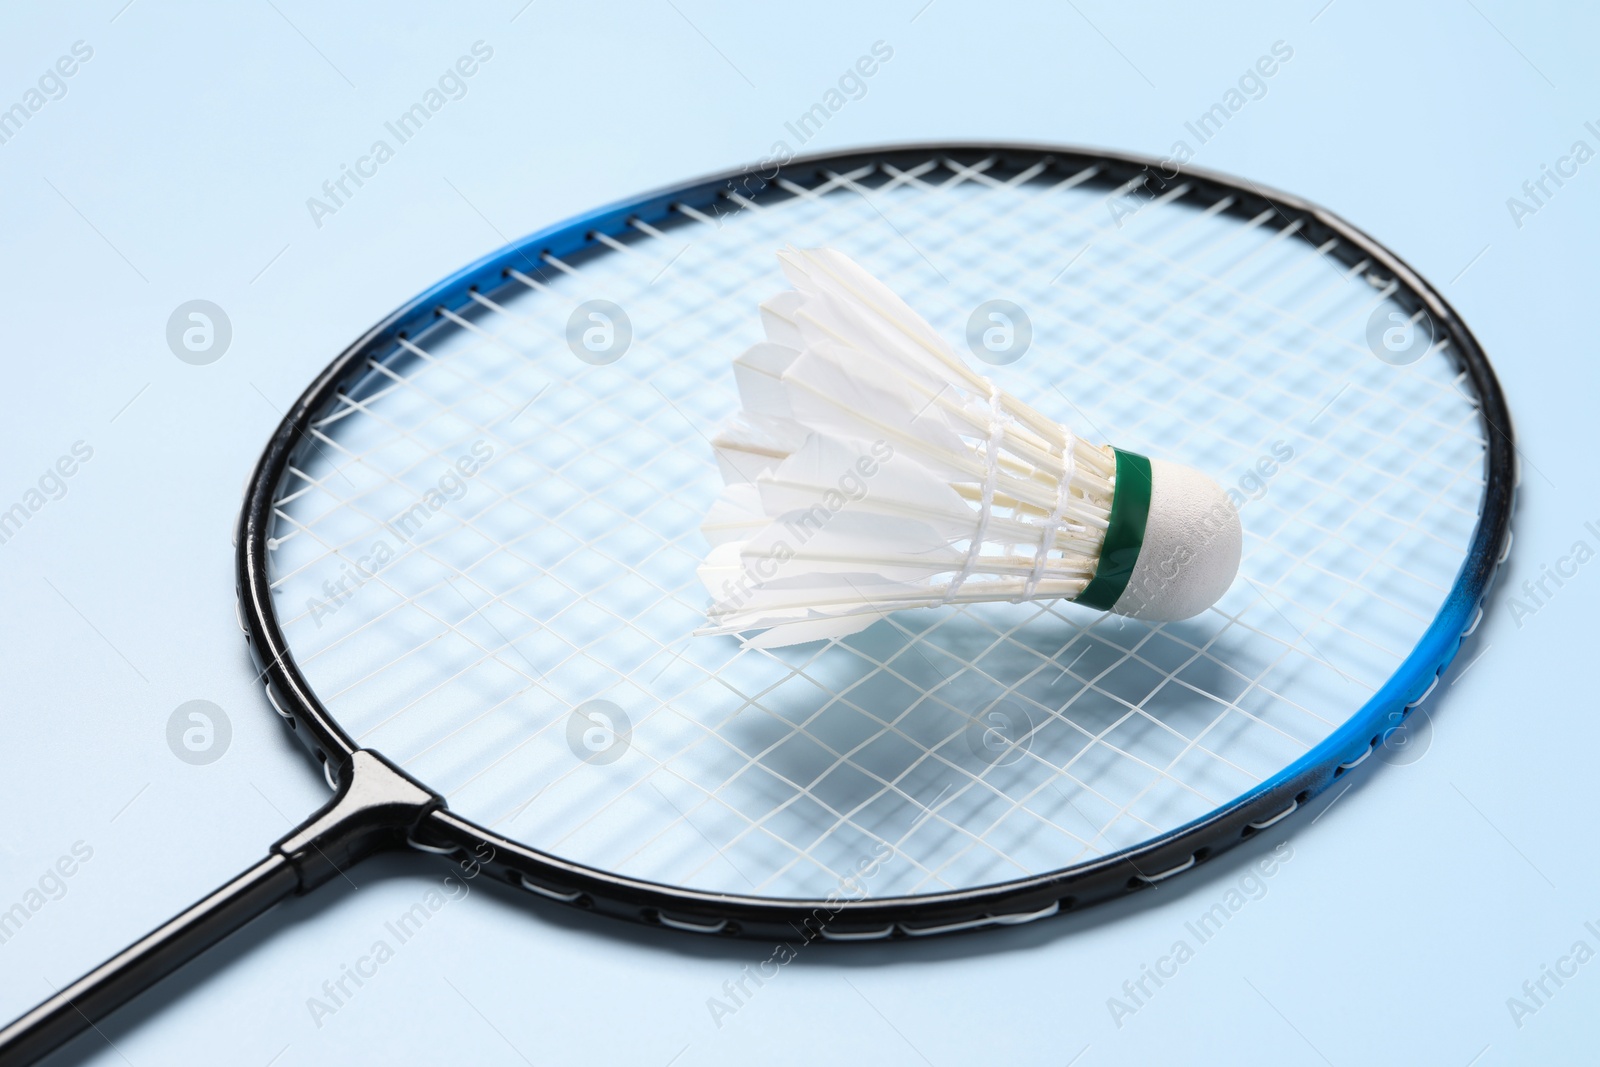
{"points": [[377, 806], [432, 827]]}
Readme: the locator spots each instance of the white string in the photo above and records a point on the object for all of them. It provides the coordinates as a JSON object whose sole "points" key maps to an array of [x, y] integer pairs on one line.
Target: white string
{"points": [[1047, 532], [991, 475]]}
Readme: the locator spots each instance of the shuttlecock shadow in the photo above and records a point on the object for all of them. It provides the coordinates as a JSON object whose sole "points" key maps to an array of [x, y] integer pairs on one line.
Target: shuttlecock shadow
{"points": [[1049, 734]]}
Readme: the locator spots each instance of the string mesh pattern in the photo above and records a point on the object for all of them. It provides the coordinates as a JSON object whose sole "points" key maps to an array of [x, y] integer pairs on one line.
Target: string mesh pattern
{"points": [[484, 552]]}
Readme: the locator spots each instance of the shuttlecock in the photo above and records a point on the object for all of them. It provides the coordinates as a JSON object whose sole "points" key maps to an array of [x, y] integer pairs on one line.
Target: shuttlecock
{"points": [[871, 470]]}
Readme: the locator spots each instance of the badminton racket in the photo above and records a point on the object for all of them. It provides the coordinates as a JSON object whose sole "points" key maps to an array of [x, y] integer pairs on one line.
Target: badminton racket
{"points": [[467, 562]]}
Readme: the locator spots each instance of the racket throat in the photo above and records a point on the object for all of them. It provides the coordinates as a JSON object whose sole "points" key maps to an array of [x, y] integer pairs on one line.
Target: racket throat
{"points": [[377, 807]]}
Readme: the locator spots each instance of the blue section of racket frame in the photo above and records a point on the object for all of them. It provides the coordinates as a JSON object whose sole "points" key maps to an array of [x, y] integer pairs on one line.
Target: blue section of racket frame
{"points": [[1022, 900]]}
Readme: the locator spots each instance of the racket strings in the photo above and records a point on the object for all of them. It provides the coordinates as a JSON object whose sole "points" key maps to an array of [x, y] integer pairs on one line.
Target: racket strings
{"points": [[1214, 723], [401, 382], [783, 821], [843, 818], [1216, 279], [416, 351], [1170, 304], [1411, 411]]}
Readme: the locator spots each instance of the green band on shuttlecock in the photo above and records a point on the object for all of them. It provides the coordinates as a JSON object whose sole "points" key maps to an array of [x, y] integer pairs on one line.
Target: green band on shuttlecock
{"points": [[1130, 509]]}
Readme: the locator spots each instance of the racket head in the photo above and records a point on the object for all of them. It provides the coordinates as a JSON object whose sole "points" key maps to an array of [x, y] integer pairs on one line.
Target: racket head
{"points": [[843, 894]]}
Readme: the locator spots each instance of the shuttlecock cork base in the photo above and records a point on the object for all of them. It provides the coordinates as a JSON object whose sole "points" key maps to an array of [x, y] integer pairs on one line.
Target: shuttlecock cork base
{"points": [[1172, 547], [871, 470]]}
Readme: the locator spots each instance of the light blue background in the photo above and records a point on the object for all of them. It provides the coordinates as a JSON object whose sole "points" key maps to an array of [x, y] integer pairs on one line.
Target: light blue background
{"points": [[178, 165]]}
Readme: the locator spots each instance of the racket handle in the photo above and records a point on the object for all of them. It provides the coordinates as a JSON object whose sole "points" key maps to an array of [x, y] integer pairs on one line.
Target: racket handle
{"points": [[375, 807], [78, 1006]]}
